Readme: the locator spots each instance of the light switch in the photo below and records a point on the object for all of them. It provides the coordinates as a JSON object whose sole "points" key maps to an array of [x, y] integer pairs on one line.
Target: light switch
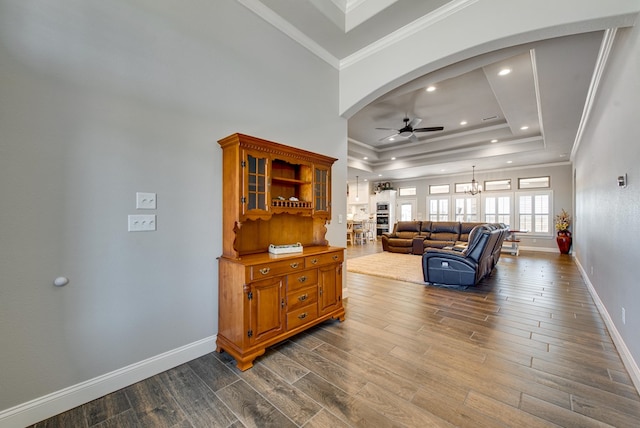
{"points": [[142, 223], [145, 201]]}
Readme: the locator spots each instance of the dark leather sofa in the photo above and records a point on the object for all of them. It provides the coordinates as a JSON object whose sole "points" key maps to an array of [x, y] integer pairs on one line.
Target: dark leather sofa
{"points": [[414, 237], [469, 266]]}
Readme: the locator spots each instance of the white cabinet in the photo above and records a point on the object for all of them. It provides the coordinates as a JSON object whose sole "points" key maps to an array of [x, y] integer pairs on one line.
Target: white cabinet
{"points": [[385, 211], [358, 202]]}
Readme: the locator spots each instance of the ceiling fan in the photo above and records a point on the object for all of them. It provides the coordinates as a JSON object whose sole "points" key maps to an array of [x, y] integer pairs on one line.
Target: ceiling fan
{"points": [[408, 130]]}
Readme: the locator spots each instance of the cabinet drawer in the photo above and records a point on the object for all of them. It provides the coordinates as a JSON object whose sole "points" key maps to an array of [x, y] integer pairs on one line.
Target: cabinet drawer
{"points": [[302, 316], [323, 259], [282, 267], [302, 279], [302, 297]]}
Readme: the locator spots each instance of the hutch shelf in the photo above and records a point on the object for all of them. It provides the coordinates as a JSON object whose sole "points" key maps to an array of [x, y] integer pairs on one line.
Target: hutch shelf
{"points": [[274, 194]]}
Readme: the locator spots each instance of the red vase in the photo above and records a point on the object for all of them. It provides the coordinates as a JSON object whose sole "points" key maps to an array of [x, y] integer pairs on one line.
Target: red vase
{"points": [[564, 241]]}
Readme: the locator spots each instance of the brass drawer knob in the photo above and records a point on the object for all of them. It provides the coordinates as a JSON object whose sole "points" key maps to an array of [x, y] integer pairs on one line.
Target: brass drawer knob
{"points": [[303, 297], [302, 278], [265, 271], [335, 257], [294, 265], [302, 316], [314, 261]]}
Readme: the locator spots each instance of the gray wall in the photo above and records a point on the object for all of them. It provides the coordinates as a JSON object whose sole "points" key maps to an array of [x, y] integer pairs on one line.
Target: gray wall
{"points": [[608, 217], [561, 185], [99, 100]]}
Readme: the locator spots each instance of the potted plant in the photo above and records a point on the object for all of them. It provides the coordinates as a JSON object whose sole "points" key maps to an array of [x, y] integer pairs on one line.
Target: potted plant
{"points": [[563, 221]]}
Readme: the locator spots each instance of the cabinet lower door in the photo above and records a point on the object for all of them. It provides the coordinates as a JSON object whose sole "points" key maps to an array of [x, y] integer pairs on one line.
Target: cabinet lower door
{"points": [[329, 288], [266, 309]]}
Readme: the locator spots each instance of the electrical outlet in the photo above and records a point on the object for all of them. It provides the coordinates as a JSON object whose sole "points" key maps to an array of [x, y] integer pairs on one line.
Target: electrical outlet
{"points": [[142, 223], [624, 317]]}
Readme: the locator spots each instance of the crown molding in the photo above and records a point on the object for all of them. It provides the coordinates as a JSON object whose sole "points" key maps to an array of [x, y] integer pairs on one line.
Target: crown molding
{"points": [[601, 62], [279, 23], [407, 31]]}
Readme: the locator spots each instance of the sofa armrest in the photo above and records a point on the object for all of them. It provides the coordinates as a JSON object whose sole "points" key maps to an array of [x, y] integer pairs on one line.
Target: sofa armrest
{"points": [[384, 237], [418, 245]]}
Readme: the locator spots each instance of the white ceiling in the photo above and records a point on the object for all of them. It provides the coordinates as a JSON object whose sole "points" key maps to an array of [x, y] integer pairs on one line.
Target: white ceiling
{"points": [[546, 91]]}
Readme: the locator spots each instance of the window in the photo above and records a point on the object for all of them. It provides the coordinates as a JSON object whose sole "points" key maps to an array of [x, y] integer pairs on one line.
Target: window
{"points": [[534, 182], [464, 187], [534, 212], [497, 185], [438, 209], [466, 209], [438, 189], [497, 209], [407, 191]]}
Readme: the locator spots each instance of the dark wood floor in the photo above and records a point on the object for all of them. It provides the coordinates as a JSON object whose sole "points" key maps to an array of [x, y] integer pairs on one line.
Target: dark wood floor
{"points": [[526, 348]]}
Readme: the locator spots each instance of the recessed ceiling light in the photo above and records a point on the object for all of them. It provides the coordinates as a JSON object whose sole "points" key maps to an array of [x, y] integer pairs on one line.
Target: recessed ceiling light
{"points": [[431, 88], [393, 158], [509, 161], [366, 179], [504, 72], [379, 175], [524, 128], [365, 158], [392, 139], [494, 141], [464, 122]]}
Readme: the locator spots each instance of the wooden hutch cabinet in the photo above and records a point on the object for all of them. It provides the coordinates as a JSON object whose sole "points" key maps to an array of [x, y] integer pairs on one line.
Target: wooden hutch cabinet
{"points": [[274, 194]]}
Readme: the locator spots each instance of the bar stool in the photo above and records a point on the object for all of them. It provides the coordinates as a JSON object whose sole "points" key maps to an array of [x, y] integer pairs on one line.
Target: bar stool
{"points": [[370, 230], [359, 234]]}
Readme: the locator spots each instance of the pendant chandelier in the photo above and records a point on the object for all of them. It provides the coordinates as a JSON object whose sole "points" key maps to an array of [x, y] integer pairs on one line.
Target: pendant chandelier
{"points": [[475, 188]]}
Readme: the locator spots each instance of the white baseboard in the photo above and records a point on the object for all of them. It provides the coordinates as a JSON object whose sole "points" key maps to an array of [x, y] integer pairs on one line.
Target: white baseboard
{"points": [[60, 401], [540, 249], [627, 359]]}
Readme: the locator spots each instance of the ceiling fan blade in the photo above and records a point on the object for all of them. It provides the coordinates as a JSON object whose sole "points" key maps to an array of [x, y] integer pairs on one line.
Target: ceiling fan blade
{"points": [[414, 122], [431, 128], [387, 129], [390, 136], [413, 137]]}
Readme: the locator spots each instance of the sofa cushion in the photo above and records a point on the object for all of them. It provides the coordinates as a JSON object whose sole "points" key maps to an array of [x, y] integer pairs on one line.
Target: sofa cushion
{"points": [[407, 226], [400, 242], [431, 243], [406, 235], [445, 231], [425, 228]]}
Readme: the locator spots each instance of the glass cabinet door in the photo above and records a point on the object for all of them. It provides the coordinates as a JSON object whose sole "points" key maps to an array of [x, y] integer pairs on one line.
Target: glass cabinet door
{"points": [[255, 199], [321, 191]]}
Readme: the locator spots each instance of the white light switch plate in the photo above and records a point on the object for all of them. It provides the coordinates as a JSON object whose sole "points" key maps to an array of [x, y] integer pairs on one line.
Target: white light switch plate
{"points": [[145, 201], [142, 223]]}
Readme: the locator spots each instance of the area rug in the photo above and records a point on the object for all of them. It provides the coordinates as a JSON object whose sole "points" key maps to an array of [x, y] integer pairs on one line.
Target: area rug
{"points": [[403, 267]]}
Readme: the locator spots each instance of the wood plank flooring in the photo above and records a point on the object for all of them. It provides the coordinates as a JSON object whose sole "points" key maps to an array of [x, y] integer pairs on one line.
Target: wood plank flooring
{"points": [[526, 348]]}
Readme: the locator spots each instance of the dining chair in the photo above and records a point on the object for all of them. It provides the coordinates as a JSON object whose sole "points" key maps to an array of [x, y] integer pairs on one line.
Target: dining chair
{"points": [[350, 233]]}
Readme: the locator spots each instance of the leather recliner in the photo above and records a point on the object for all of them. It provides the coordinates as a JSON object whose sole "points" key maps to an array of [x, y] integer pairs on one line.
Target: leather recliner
{"points": [[468, 267], [401, 239]]}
